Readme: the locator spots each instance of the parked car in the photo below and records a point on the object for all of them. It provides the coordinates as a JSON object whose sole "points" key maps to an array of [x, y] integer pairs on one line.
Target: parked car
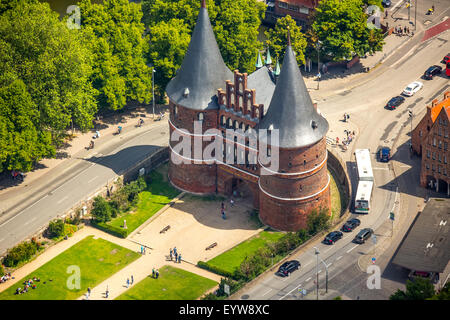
{"points": [[384, 154], [432, 71], [432, 276], [350, 225], [332, 237], [412, 88], [363, 235], [288, 267], [386, 3], [394, 102], [446, 58]]}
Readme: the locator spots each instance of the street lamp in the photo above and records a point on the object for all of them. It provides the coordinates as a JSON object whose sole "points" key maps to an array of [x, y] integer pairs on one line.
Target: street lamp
{"points": [[317, 252], [318, 63], [153, 90]]}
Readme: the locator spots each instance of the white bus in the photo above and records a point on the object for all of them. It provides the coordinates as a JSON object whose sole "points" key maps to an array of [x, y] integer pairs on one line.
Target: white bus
{"points": [[365, 181]]}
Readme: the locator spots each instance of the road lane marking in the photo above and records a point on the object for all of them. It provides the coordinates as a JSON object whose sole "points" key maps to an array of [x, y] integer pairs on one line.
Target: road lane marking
{"points": [[319, 271], [29, 221], [267, 292], [338, 258], [93, 179], [308, 279], [2, 239], [1, 225], [285, 278], [290, 292], [66, 197], [352, 248], [329, 264]]}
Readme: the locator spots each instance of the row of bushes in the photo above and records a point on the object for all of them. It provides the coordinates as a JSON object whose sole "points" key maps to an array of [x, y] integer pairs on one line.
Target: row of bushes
{"points": [[23, 252], [261, 260], [121, 201], [115, 231]]}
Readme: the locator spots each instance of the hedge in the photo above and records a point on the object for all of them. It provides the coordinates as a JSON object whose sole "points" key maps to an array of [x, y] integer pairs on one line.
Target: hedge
{"points": [[206, 266], [115, 231], [21, 253], [2, 270]]}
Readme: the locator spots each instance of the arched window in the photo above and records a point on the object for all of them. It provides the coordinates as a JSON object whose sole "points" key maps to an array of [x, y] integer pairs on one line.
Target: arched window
{"points": [[257, 113], [235, 124], [200, 116], [229, 123], [222, 120], [241, 101], [175, 111]]}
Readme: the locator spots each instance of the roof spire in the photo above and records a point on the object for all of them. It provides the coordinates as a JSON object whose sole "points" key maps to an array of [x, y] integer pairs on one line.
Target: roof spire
{"points": [[288, 36], [268, 58], [203, 3], [277, 69], [259, 63]]}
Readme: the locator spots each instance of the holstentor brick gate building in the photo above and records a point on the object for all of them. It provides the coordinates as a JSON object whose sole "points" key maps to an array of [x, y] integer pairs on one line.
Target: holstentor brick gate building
{"points": [[205, 90]]}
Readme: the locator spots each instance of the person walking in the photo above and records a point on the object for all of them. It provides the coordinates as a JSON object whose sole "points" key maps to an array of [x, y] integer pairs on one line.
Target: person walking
{"points": [[142, 250], [223, 215], [176, 256], [132, 279], [179, 258], [153, 272], [107, 292], [88, 292], [223, 206], [170, 254], [174, 250], [337, 140], [157, 274], [128, 282], [232, 202]]}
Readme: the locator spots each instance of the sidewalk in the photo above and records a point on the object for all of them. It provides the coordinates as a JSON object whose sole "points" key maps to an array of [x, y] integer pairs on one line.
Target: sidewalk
{"points": [[339, 79], [68, 156]]}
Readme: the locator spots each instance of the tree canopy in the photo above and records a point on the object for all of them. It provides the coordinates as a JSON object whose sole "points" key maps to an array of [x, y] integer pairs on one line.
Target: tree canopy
{"points": [[277, 39], [342, 28], [419, 289], [44, 84], [171, 23], [115, 37]]}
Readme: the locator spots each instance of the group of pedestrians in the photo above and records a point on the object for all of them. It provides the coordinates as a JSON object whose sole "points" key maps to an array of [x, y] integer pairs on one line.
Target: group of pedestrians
{"points": [[346, 141], [143, 250], [222, 208], [402, 31], [176, 254], [155, 273], [130, 282]]}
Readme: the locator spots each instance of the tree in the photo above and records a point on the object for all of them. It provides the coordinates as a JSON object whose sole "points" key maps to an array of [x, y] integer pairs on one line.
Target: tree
{"points": [[419, 289], [39, 49], [171, 23], [101, 210], [56, 228], [115, 36], [317, 221], [342, 28], [443, 294], [277, 39]]}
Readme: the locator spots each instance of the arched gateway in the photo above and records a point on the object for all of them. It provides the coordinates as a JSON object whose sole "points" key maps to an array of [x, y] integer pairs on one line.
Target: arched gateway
{"points": [[281, 157]]}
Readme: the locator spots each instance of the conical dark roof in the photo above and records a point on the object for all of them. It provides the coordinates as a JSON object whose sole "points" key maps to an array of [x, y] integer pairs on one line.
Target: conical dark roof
{"points": [[202, 71], [291, 110]]}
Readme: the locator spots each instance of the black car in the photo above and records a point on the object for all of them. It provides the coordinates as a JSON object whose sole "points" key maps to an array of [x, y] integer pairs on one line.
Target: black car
{"points": [[363, 235], [386, 3], [287, 268], [332, 237], [432, 71], [350, 225], [395, 102]]}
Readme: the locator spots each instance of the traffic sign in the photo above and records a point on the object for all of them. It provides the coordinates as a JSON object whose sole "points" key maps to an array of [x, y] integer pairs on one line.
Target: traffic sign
{"points": [[373, 260]]}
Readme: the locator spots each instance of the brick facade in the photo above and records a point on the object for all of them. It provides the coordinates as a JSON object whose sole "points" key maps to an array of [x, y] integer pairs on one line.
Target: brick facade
{"points": [[430, 139], [284, 199]]}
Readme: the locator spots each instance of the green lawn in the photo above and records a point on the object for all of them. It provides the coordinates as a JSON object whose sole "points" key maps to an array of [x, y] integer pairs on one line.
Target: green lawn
{"points": [[232, 259], [159, 193], [172, 284], [337, 199], [97, 260]]}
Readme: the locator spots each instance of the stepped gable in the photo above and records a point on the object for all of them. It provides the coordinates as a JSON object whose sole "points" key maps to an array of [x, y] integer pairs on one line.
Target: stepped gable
{"points": [[203, 70], [291, 110], [263, 82]]}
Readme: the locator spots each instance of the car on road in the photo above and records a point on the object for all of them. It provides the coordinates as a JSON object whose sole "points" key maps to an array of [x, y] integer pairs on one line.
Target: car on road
{"points": [[446, 58], [394, 102], [412, 88], [363, 235], [287, 268], [432, 71], [332, 237], [384, 154], [386, 3], [350, 225]]}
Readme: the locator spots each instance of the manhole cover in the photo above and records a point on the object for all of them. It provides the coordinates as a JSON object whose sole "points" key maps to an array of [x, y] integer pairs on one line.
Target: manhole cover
{"points": [[245, 297]]}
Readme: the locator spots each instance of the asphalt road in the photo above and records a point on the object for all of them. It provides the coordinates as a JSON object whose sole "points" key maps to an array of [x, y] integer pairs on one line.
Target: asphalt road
{"points": [[377, 126], [69, 183]]}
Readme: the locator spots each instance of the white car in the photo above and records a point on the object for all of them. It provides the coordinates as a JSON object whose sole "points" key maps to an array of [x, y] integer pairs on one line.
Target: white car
{"points": [[412, 88]]}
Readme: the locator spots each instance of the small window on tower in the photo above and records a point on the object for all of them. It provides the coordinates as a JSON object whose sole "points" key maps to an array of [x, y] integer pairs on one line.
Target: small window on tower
{"points": [[200, 117]]}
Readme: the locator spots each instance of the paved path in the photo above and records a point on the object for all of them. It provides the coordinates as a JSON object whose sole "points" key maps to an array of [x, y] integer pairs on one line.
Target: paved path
{"points": [[194, 225]]}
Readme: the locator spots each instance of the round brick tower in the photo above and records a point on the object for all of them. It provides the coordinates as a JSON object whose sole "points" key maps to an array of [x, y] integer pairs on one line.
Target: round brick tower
{"points": [[193, 102], [300, 184]]}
